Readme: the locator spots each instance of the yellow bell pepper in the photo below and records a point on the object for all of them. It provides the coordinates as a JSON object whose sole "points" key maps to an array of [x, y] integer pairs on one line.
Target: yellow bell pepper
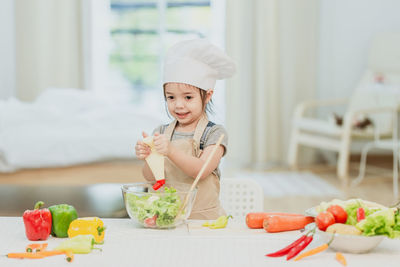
{"points": [[221, 222], [86, 226]]}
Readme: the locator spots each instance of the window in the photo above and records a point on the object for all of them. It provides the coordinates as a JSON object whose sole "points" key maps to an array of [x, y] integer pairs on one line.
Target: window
{"points": [[127, 57]]}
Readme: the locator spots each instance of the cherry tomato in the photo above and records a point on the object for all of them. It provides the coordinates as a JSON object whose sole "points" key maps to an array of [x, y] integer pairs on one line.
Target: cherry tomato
{"points": [[324, 219], [339, 213], [360, 214], [151, 221]]}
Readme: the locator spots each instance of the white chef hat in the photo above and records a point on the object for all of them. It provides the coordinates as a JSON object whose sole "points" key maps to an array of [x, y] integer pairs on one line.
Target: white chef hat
{"points": [[198, 63]]}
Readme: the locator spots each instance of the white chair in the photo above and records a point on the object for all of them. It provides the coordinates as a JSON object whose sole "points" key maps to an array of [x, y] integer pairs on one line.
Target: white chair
{"points": [[384, 60], [240, 196], [391, 144]]}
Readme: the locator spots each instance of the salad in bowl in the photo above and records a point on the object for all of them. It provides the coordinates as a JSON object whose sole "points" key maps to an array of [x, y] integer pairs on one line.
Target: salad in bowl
{"points": [[355, 225], [369, 217], [158, 209]]}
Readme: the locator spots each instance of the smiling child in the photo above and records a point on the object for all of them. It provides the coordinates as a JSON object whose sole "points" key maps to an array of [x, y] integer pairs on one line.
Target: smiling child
{"points": [[191, 69]]}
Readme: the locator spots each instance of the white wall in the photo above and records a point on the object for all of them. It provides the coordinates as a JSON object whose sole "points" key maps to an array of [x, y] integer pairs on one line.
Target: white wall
{"points": [[7, 49], [346, 29]]}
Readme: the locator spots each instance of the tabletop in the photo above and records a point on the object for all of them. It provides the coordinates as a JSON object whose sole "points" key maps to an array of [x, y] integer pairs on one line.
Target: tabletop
{"points": [[127, 244]]}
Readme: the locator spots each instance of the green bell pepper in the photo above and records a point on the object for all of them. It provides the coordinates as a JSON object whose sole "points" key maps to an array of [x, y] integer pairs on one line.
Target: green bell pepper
{"points": [[63, 215]]}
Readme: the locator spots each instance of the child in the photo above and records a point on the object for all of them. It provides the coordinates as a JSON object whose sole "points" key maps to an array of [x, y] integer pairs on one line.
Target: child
{"points": [[191, 69]]}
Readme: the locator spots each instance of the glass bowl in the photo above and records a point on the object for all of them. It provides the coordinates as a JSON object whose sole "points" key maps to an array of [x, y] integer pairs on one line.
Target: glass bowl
{"points": [[158, 209]]}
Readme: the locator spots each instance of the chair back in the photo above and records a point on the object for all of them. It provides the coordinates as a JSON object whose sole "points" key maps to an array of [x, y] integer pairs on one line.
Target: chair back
{"points": [[240, 196], [380, 84]]}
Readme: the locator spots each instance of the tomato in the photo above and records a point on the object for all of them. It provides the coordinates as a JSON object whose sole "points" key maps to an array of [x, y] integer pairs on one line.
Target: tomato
{"points": [[324, 219], [360, 214], [339, 213], [151, 221]]}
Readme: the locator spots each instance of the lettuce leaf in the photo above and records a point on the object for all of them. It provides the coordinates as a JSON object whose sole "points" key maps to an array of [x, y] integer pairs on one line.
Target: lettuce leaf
{"points": [[396, 227], [378, 223], [351, 210]]}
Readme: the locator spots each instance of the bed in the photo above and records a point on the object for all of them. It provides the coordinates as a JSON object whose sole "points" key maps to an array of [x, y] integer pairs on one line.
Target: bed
{"points": [[65, 127]]}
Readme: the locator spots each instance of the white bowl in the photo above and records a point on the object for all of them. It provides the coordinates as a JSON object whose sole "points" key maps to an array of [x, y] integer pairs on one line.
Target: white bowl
{"points": [[311, 212], [351, 243]]}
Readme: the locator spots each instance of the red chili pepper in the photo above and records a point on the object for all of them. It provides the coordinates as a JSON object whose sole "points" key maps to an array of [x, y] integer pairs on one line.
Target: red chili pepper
{"points": [[285, 250], [360, 214], [37, 223], [297, 249]]}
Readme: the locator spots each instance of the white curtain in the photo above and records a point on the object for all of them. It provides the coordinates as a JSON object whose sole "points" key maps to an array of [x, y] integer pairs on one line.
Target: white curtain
{"points": [[48, 46], [274, 43], [7, 49]]}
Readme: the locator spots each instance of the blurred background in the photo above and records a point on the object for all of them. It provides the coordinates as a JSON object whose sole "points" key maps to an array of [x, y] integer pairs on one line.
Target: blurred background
{"points": [[81, 79]]}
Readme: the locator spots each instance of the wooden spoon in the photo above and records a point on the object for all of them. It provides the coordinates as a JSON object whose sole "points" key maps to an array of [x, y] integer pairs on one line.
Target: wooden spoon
{"points": [[200, 173]]}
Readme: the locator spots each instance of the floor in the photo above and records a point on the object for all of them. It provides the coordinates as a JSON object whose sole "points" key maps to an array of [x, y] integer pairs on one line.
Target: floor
{"points": [[95, 188], [377, 186]]}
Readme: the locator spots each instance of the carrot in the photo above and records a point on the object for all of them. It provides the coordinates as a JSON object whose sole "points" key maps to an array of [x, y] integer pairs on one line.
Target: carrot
{"points": [[70, 255], [341, 259], [255, 220], [47, 253], [312, 252], [25, 255], [281, 223], [40, 252]]}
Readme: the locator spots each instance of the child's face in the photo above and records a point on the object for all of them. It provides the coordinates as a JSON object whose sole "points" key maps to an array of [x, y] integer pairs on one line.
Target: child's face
{"points": [[184, 103]]}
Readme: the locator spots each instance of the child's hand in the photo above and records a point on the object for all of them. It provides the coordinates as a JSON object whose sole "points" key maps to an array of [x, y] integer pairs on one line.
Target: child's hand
{"points": [[162, 144], [142, 150]]}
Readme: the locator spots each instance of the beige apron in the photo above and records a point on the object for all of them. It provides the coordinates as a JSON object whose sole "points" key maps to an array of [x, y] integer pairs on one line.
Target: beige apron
{"points": [[206, 205]]}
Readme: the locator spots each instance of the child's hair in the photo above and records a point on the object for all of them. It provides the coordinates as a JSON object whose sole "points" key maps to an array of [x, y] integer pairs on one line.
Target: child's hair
{"points": [[207, 107]]}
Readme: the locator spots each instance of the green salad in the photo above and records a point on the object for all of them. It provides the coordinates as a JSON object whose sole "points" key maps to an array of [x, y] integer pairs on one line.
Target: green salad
{"points": [[379, 220], [155, 210]]}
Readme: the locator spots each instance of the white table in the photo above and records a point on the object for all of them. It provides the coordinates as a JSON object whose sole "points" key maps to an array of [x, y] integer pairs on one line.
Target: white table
{"points": [[188, 245]]}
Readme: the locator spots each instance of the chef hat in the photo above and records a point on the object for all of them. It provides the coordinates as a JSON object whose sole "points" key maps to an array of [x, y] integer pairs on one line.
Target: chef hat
{"points": [[198, 63]]}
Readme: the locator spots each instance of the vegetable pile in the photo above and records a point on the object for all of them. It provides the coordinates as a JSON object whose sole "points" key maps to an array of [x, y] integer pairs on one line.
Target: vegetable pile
{"points": [[350, 217], [359, 217], [61, 221], [155, 210]]}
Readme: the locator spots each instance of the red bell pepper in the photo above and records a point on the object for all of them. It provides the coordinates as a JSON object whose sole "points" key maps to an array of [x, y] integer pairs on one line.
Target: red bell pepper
{"points": [[37, 222]]}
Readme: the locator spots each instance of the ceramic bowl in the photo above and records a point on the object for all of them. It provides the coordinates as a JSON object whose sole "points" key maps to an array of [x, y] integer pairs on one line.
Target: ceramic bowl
{"points": [[158, 209], [351, 243]]}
